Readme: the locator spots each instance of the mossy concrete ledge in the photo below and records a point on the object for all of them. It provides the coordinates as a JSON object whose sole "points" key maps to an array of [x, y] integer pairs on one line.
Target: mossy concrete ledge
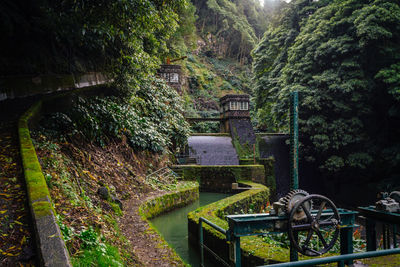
{"points": [[158, 205], [50, 244], [246, 202]]}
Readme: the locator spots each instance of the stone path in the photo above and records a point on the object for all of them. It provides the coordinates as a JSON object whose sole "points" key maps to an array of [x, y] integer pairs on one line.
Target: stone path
{"points": [[17, 247]]}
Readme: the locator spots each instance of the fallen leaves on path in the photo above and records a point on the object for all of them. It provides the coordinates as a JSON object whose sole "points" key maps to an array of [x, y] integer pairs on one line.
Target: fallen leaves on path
{"points": [[16, 246]]}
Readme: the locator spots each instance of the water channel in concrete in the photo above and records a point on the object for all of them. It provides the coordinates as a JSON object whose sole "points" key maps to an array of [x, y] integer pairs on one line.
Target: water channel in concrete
{"points": [[173, 226]]}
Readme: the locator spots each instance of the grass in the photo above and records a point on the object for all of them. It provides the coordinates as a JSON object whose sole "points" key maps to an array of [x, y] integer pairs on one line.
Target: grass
{"points": [[102, 255]]}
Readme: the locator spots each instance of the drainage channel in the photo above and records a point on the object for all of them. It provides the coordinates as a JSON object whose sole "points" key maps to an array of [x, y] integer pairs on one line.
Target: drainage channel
{"points": [[173, 226]]}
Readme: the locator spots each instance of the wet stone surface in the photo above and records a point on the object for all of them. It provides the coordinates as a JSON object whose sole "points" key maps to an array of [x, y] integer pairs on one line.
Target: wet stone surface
{"points": [[213, 150]]}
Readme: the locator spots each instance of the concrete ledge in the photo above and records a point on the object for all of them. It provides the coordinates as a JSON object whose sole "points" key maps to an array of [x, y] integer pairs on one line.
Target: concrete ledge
{"points": [[22, 86], [168, 202], [165, 203], [271, 134], [51, 247], [210, 134]]}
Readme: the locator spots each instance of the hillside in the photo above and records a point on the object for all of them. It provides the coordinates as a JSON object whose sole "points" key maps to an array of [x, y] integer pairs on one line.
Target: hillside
{"points": [[218, 51], [97, 153]]}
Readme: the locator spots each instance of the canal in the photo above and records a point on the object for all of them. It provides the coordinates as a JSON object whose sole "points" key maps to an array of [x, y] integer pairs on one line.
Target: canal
{"points": [[173, 226]]}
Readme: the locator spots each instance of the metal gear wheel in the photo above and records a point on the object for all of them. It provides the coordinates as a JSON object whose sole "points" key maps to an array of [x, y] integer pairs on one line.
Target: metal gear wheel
{"points": [[290, 201]]}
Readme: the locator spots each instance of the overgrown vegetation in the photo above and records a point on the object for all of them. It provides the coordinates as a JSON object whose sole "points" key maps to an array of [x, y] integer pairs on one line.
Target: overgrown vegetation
{"points": [[208, 79], [233, 27], [89, 226], [342, 57], [74, 172], [123, 38], [151, 120]]}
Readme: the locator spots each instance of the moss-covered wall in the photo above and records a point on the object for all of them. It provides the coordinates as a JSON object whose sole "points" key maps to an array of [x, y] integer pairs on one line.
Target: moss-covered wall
{"points": [[51, 246], [168, 202], [245, 202], [165, 203], [220, 178], [270, 179], [255, 251]]}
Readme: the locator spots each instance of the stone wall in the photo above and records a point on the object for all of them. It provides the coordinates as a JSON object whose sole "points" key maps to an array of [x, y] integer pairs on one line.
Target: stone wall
{"points": [[242, 130], [220, 178]]}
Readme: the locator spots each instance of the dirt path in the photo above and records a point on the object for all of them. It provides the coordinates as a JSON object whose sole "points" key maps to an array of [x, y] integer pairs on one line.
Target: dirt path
{"points": [[16, 240], [146, 244]]}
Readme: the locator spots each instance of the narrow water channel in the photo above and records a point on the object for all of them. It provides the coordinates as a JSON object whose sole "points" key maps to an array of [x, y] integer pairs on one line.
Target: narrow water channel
{"points": [[173, 227]]}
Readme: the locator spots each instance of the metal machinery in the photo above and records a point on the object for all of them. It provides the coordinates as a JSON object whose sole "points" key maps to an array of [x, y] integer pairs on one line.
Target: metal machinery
{"points": [[387, 213], [298, 214]]}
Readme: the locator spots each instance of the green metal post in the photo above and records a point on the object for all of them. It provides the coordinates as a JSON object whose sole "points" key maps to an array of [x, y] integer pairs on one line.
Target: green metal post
{"points": [[294, 256], [346, 243], [238, 259], [201, 242], [294, 140], [371, 234], [386, 236]]}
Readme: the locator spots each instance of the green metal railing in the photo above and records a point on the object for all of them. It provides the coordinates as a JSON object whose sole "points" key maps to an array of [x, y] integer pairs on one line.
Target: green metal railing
{"points": [[339, 259], [201, 241]]}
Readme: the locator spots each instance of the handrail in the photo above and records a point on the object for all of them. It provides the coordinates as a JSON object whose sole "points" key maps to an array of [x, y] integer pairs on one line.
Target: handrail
{"points": [[201, 241], [159, 173], [216, 227], [151, 174], [340, 258]]}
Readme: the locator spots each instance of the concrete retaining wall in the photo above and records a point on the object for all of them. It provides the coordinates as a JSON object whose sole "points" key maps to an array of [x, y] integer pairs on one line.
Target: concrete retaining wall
{"points": [[22, 86], [244, 202], [220, 178], [50, 244], [165, 203]]}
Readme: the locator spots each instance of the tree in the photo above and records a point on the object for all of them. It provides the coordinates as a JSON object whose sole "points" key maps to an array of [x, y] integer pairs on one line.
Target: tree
{"points": [[118, 37], [342, 57], [237, 25]]}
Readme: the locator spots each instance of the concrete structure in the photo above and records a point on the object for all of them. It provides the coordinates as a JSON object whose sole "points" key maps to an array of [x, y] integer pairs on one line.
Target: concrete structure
{"points": [[235, 118], [212, 150], [233, 107], [173, 75], [24, 85]]}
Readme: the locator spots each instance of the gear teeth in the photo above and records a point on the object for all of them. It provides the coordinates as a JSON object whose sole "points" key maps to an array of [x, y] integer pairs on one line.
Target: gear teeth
{"points": [[287, 199]]}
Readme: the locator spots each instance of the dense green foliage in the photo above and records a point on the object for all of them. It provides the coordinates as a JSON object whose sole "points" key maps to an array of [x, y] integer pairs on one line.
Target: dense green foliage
{"points": [[236, 25], [209, 78], [126, 40], [119, 37], [151, 120], [342, 57]]}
